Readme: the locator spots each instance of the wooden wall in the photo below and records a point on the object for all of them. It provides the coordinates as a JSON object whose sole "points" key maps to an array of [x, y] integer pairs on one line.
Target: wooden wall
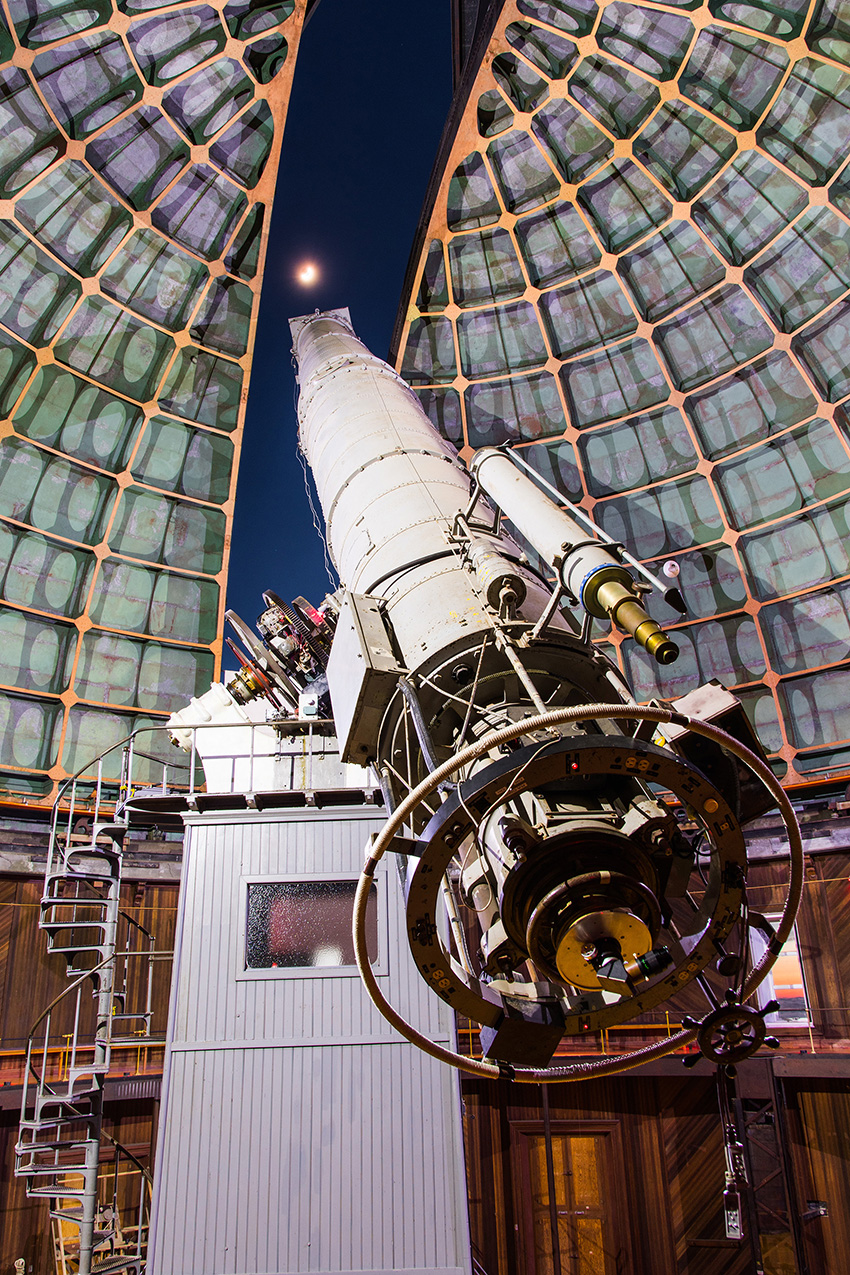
{"points": [[29, 980], [24, 1223], [662, 1211]]}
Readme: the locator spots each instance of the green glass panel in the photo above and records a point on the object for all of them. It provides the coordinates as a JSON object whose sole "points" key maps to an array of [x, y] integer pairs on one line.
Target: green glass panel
{"points": [[806, 269], [712, 337], [41, 573], [806, 465], [494, 114], [109, 345], [203, 103], [807, 127], [243, 256], [817, 707], [243, 149], [525, 88], [823, 761], [733, 75], [670, 270], [224, 319], [710, 581], [29, 141], [184, 608], [265, 58], [16, 365], [430, 352], [77, 418], [747, 407], [28, 729], [144, 600], [575, 145], [839, 192], [43, 21], [184, 460], [125, 671], [575, 16], [171, 675], [623, 204], [91, 732], [824, 348], [669, 683], [748, 206], [433, 290], [494, 342], [556, 462], [138, 156], [200, 211], [247, 18], [784, 18], [760, 707], [556, 245], [20, 783], [203, 388], [35, 654], [727, 651], [108, 668], [51, 493], [614, 383], [88, 83], [653, 41], [671, 516], [472, 200], [7, 44], [158, 529], [36, 295], [829, 30], [171, 44], [637, 452], [798, 553], [122, 596], [591, 312], [517, 410], [74, 216], [807, 632], [135, 7], [524, 177], [550, 53], [443, 409], [617, 98], [683, 148], [156, 279], [485, 267]]}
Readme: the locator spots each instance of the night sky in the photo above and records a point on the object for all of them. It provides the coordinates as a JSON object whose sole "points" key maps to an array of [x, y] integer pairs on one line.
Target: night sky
{"points": [[371, 94]]}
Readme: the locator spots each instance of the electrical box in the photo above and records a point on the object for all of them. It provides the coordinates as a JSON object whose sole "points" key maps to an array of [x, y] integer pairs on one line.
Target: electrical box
{"points": [[362, 675]]}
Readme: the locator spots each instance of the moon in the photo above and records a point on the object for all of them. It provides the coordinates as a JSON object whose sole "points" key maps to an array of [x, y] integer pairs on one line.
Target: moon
{"points": [[307, 273]]}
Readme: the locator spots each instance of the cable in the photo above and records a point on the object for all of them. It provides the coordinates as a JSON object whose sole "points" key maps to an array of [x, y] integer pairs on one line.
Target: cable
{"points": [[319, 528], [557, 717]]}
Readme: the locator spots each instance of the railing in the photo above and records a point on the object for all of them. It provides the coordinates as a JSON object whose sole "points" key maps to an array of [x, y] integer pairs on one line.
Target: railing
{"points": [[280, 753]]}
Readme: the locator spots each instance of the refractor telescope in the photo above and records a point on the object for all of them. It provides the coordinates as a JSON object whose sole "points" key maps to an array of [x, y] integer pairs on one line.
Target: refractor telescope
{"points": [[570, 859]]}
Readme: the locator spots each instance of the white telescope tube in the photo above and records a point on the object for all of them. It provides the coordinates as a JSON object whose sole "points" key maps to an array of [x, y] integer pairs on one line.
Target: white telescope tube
{"points": [[587, 569]]}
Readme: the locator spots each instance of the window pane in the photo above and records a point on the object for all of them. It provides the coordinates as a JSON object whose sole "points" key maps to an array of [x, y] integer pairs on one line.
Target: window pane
{"points": [[305, 924]]}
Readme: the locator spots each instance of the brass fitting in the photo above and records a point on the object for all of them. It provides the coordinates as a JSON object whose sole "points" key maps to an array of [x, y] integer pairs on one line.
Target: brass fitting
{"points": [[625, 610]]}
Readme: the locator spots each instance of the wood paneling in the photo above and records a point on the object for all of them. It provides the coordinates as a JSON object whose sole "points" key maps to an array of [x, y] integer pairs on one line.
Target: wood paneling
{"points": [[24, 1223], [818, 1120]]}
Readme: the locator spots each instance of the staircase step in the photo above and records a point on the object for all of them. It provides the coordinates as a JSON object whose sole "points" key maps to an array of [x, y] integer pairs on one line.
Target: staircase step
{"points": [[50, 1144], [117, 1263], [79, 874], [56, 1189]]}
